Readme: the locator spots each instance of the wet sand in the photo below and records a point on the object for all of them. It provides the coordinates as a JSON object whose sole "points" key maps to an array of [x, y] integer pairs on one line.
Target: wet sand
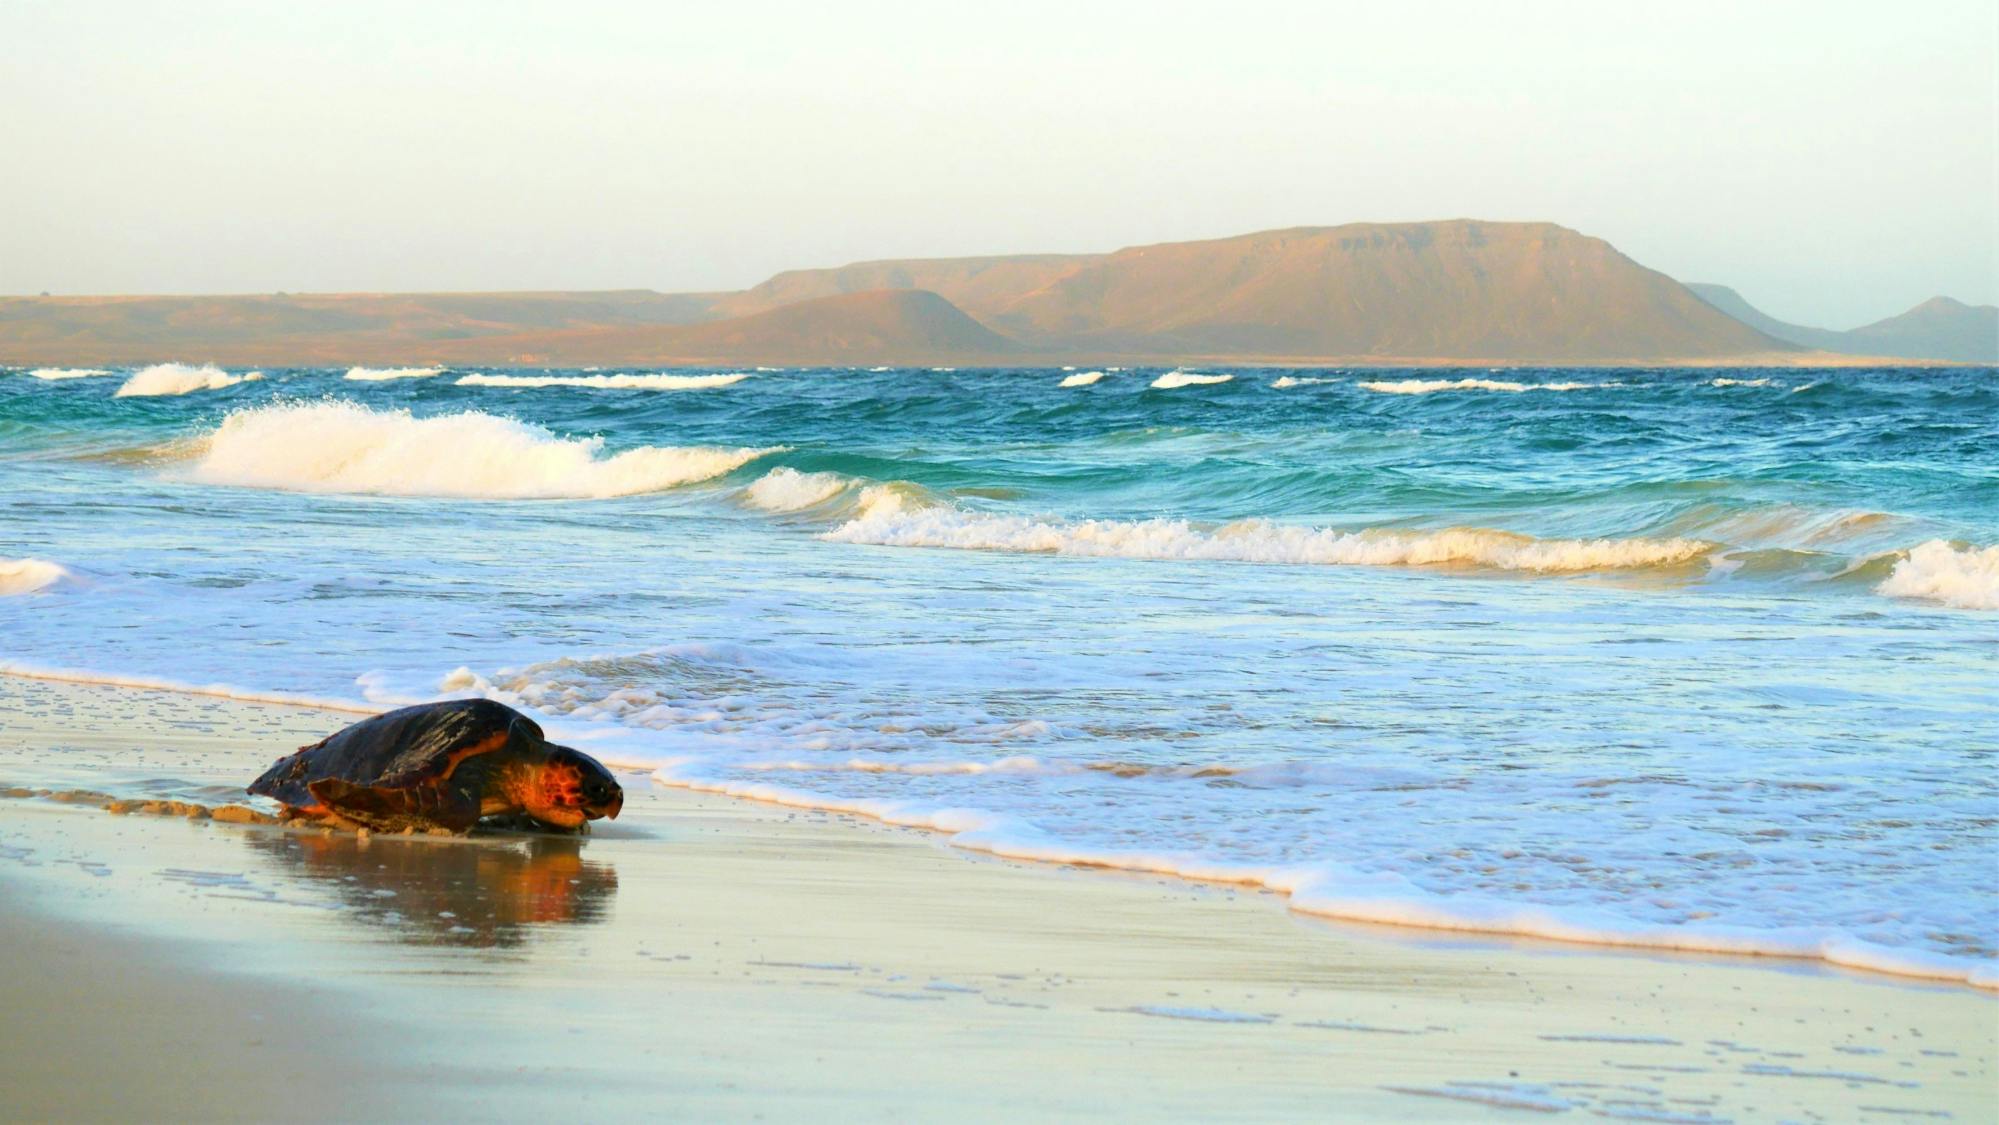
{"points": [[714, 959]]}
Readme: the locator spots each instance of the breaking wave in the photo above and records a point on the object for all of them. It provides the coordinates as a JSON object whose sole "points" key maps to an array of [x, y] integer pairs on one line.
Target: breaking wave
{"points": [[1740, 382], [1082, 378], [610, 382], [180, 379], [889, 520], [1432, 386], [1284, 381], [1174, 379], [1937, 571], [788, 490], [384, 374], [54, 373], [27, 576], [346, 447]]}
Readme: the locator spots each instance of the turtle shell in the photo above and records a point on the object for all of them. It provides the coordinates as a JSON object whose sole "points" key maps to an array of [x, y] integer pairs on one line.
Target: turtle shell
{"points": [[403, 749]]}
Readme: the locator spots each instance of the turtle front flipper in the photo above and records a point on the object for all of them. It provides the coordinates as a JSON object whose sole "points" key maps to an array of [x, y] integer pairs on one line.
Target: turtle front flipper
{"points": [[386, 809]]}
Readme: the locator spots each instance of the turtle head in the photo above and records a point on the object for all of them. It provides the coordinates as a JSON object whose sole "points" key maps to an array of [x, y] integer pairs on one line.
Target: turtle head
{"points": [[571, 787]]}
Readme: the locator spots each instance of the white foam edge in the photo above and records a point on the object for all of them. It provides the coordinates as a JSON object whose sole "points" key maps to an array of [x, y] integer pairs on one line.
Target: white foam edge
{"points": [[26, 671], [1328, 891]]}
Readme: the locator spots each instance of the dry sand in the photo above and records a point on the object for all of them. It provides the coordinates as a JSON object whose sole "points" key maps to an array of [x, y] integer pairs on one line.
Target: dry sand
{"points": [[711, 959]]}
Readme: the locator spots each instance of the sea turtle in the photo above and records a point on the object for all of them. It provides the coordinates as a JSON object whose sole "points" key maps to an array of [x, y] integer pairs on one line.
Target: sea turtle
{"points": [[442, 765]]}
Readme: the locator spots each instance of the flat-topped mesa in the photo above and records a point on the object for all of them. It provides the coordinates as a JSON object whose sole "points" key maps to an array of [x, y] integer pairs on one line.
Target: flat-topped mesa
{"points": [[1449, 290]]}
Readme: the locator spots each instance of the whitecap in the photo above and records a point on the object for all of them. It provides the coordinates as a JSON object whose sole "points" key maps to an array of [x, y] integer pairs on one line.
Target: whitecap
{"points": [[892, 521], [1432, 386], [1740, 382], [1174, 379], [29, 576], [347, 447], [1082, 378], [1283, 381], [384, 374], [1937, 571], [51, 374], [180, 379], [653, 382], [788, 490]]}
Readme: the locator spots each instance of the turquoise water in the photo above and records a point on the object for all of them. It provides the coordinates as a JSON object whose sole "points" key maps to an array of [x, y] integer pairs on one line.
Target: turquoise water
{"points": [[1680, 658]]}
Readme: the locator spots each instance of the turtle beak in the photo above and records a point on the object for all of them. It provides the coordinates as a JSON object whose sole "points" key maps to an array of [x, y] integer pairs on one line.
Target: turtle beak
{"points": [[617, 803]]}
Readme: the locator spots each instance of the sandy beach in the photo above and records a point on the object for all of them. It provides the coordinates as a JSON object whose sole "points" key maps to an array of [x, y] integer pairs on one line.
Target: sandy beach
{"points": [[717, 959]]}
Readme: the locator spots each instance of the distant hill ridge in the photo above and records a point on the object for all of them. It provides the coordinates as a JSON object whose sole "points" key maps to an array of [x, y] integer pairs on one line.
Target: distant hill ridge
{"points": [[867, 327], [1460, 290], [1939, 328]]}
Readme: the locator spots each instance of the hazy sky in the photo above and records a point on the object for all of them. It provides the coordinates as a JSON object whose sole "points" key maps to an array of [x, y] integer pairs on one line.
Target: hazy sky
{"points": [[1835, 162]]}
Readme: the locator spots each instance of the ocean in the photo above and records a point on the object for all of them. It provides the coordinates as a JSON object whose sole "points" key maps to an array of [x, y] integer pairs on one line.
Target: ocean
{"points": [[1693, 659]]}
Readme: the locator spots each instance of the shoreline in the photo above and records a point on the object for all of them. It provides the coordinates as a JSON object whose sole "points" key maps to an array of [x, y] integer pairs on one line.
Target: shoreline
{"points": [[285, 357], [721, 958], [1294, 887]]}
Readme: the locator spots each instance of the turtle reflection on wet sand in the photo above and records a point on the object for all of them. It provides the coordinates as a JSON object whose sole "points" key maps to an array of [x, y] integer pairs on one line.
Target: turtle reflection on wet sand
{"points": [[486, 893], [442, 767]]}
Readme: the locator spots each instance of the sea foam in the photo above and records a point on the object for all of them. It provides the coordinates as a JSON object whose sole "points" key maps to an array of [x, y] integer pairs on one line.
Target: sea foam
{"points": [[346, 447], [655, 382], [890, 520], [1333, 890], [1432, 386], [788, 490], [1081, 378], [54, 373], [180, 379], [28, 576], [385, 374], [26, 671], [1937, 571], [1174, 379]]}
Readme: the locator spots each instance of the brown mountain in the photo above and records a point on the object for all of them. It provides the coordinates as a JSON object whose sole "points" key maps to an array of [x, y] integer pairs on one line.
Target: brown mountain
{"points": [[1449, 290], [310, 328], [1457, 291], [1938, 329], [979, 286], [905, 326]]}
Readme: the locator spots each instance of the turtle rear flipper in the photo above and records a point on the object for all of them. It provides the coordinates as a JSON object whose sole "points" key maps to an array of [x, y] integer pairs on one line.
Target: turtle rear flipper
{"points": [[394, 809]]}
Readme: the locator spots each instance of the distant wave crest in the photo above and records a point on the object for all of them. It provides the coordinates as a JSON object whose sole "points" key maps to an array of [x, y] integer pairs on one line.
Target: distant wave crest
{"points": [[384, 374], [1082, 378], [28, 576], [1285, 381], [610, 382], [889, 520], [788, 490], [1937, 571], [52, 374], [1432, 386], [1174, 379], [346, 447], [180, 379]]}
